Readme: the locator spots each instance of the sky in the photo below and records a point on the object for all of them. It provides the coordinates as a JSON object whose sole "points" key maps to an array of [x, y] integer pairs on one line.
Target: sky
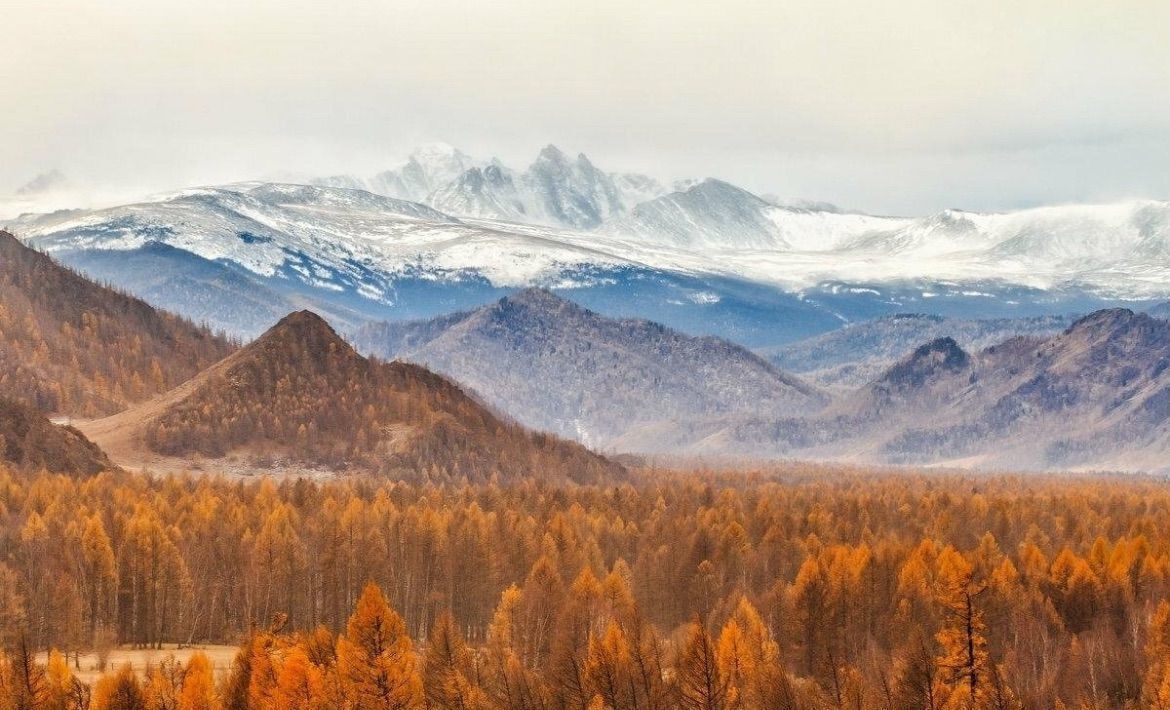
{"points": [[891, 107]]}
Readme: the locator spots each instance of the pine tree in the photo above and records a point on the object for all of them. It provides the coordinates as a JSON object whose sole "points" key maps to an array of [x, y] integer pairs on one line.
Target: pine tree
{"points": [[164, 685], [1156, 686], [700, 685], [376, 657], [449, 669], [119, 691], [609, 669], [64, 692], [198, 685], [300, 685], [963, 636], [27, 685]]}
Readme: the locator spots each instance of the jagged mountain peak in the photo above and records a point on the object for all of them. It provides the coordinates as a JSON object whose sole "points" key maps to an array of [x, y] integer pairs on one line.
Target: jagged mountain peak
{"points": [[941, 355], [436, 149], [552, 154], [438, 159], [556, 189]]}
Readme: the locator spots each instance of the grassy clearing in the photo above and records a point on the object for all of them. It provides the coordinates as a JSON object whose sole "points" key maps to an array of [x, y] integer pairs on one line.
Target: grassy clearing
{"points": [[88, 665]]}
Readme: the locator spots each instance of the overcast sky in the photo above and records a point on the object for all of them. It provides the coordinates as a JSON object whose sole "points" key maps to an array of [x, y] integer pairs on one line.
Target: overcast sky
{"points": [[895, 107]]}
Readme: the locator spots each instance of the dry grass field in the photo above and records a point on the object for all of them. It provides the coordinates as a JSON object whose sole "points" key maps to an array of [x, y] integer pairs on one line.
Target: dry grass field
{"points": [[88, 665]]}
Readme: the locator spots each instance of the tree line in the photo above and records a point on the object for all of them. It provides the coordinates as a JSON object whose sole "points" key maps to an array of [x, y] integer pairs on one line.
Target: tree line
{"points": [[799, 586]]}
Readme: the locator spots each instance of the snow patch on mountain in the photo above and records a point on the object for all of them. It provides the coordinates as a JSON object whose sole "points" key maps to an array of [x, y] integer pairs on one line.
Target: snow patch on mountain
{"points": [[714, 214]]}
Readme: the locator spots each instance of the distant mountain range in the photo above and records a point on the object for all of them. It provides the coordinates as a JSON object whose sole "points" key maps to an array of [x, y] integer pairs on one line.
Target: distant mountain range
{"points": [[707, 259], [1032, 393], [1096, 395], [860, 352], [555, 190], [556, 366]]}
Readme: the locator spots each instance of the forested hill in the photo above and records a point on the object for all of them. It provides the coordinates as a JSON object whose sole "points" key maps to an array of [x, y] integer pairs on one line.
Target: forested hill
{"points": [[70, 346], [301, 393], [30, 442]]}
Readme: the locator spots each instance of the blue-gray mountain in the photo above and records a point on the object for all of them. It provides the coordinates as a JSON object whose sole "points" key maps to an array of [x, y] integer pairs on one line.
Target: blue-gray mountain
{"points": [[557, 366], [1094, 396], [860, 352], [708, 258]]}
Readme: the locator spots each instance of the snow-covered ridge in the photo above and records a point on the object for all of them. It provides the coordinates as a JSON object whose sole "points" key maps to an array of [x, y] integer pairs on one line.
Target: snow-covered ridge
{"points": [[710, 228], [713, 214], [327, 237], [555, 190]]}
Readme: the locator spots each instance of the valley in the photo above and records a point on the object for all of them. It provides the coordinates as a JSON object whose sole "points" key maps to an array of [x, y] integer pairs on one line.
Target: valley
{"points": [[584, 355]]}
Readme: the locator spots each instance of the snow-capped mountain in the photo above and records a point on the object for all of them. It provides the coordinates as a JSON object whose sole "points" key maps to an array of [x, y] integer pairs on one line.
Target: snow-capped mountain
{"points": [[555, 190], [572, 192], [714, 214], [711, 259], [428, 168], [490, 192]]}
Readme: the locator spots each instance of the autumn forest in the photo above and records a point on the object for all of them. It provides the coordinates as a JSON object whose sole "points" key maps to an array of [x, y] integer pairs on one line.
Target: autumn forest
{"points": [[793, 587]]}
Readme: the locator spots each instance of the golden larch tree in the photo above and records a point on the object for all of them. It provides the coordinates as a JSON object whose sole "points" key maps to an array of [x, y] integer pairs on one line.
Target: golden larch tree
{"points": [[376, 657]]}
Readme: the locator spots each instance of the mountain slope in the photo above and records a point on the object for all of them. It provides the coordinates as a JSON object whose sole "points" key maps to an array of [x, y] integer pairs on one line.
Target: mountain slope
{"points": [[428, 168], [301, 394], [860, 352], [1096, 395], [560, 367], [717, 215], [554, 190], [70, 346], [712, 259], [30, 442]]}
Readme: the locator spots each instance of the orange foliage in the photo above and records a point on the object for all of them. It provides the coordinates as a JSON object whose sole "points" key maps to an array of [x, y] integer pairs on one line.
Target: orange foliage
{"points": [[73, 347], [816, 587]]}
